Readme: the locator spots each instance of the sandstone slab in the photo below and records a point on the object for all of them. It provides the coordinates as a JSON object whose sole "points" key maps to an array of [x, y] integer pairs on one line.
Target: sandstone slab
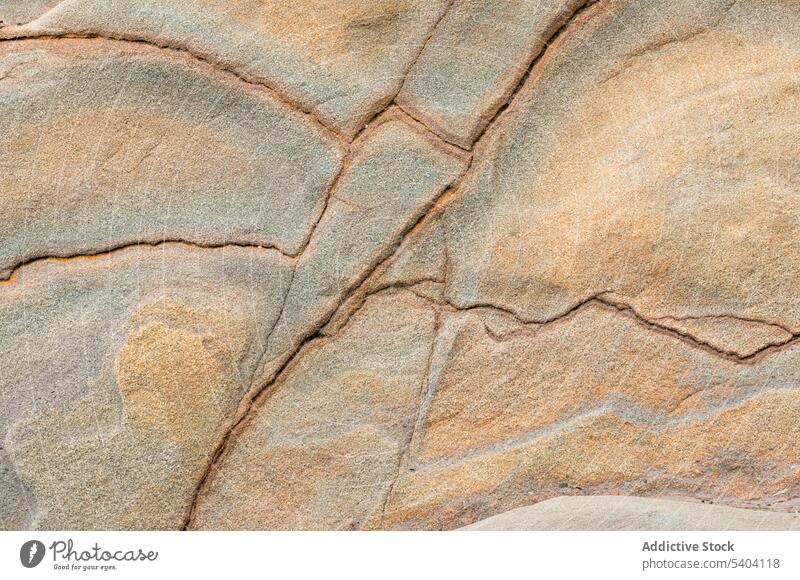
{"points": [[326, 441], [247, 280], [649, 158], [596, 402], [394, 177]]}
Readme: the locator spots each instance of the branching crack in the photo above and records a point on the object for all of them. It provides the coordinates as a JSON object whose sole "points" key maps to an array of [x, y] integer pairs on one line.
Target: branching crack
{"points": [[613, 305], [256, 393]]}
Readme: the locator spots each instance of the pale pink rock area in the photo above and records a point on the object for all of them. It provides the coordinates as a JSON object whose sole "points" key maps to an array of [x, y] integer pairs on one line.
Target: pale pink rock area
{"points": [[399, 264]]}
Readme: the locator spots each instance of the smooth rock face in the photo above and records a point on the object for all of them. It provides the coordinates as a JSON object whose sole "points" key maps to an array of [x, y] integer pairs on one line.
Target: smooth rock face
{"points": [[634, 513], [399, 264], [342, 60]]}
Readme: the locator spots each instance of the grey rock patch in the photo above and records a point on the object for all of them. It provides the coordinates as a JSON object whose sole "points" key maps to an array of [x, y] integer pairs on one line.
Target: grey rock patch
{"points": [[119, 375]]}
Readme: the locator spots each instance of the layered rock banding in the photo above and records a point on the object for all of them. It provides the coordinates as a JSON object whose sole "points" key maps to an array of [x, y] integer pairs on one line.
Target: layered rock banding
{"points": [[398, 265]]}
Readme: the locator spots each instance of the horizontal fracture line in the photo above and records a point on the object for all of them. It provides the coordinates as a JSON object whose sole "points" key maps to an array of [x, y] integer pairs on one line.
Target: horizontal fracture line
{"points": [[13, 271], [624, 309], [700, 317]]}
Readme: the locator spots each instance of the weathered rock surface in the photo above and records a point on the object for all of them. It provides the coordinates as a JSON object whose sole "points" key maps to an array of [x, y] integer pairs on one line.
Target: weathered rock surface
{"points": [[399, 265], [634, 513], [649, 158], [394, 177], [105, 145], [595, 402], [329, 435]]}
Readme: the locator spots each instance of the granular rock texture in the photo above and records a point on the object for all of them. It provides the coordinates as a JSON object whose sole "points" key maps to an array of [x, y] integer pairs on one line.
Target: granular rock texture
{"points": [[400, 264]]}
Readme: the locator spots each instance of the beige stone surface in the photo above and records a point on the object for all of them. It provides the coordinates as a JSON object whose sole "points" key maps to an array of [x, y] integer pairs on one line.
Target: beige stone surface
{"points": [[399, 264], [633, 513], [657, 168], [120, 373], [594, 403], [15, 12], [107, 144], [394, 177]]}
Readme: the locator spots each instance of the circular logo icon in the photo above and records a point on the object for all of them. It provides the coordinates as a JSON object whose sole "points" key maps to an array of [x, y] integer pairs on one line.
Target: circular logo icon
{"points": [[31, 553]]}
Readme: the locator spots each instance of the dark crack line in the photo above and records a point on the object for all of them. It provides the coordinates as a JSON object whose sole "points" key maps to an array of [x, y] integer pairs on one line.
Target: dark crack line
{"points": [[652, 324], [327, 197], [535, 60], [215, 456], [9, 275], [632, 313], [700, 317], [623, 409], [600, 299], [431, 130], [384, 115], [507, 102], [754, 357], [391, 100]]}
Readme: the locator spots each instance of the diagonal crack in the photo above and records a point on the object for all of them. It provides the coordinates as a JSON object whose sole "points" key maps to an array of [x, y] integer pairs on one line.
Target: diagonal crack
{"points": [[404, 455], [256, 393], [391, 101], [424, 45], [565, 26]]}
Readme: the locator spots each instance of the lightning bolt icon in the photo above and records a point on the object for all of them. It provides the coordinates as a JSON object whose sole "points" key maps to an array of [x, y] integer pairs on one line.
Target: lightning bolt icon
{"points": [[34, 549]]}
